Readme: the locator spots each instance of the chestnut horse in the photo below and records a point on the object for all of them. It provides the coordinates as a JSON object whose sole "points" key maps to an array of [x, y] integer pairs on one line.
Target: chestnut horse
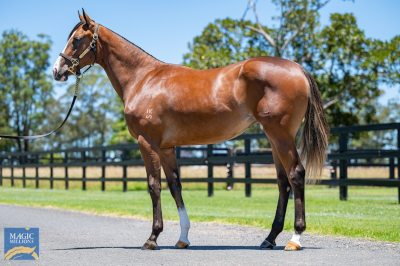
{"points": [[170, 105]]}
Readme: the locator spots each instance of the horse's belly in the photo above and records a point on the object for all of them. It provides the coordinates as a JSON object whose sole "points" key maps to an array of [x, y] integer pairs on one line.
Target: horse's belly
{"points": [[196, 130]]}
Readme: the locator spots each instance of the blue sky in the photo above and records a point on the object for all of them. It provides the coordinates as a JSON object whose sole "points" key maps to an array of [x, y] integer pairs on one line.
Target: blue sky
{"points": [[164, 28]]}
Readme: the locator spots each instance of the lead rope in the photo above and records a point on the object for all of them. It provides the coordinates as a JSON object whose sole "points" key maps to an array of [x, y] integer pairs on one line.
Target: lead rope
{"points": [[78, 79]]}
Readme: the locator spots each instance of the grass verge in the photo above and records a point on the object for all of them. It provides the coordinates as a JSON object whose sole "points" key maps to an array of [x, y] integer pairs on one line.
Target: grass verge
{"points": [[371, 213]]}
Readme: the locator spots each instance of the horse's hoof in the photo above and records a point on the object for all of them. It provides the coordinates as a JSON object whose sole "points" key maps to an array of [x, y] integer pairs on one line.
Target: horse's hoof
{"points": [[149, 245], [181, 245], [266, 244], [292, 246]]}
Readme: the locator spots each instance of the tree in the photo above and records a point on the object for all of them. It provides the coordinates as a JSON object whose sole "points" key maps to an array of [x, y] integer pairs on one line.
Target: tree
{"points": [[381, 139], [91, 120], [347, 65], [222, 43], [25, 89], [296, 27]]}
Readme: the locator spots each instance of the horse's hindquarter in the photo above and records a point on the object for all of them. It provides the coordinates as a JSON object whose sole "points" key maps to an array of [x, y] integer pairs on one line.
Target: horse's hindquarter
{"points": [[280, 90], [183, 106]]}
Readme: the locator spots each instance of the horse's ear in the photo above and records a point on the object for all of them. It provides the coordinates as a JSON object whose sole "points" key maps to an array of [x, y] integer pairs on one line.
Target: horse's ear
{"points": [[88, 20], [81, 18]]}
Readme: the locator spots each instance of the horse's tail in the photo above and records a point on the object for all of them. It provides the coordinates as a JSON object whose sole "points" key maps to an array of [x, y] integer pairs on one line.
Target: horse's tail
{"points": [[315, 133]]}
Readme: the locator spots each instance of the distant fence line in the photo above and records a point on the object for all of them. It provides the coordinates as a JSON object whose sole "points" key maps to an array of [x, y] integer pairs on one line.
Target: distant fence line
{"points": [[121, 155]]}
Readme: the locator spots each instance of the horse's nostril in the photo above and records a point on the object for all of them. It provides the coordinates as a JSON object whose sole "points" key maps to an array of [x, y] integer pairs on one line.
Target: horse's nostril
{"points": [[54, 72]]}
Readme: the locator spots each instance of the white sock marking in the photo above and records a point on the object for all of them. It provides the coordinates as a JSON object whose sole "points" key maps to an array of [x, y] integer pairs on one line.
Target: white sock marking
{"points": [[185, 225], [296, 238]]}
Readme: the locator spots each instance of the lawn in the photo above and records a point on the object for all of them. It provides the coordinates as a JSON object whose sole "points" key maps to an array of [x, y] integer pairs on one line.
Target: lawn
{"points": [[371, 213]]}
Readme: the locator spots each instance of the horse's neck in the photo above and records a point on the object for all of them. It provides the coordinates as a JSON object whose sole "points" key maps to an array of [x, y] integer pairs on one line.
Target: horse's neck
{"points": [[124, 62]]}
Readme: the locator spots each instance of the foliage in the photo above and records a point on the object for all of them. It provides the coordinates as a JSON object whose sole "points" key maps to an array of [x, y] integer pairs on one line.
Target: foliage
{"points": [[383, 139], [347, 65], [90, 122], [222, 43], [25, 90], [348, 69]]}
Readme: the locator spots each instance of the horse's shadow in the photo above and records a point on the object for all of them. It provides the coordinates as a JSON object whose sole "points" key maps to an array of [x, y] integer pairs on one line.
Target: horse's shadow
{"points": [[277, 248]]}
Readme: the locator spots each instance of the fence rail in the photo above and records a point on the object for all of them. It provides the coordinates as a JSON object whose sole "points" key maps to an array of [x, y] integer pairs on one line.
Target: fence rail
{"points": [[127, 155]]}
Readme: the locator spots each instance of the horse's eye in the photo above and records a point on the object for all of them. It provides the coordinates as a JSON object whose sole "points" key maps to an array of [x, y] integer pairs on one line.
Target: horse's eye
{"points": [[76, 40]]}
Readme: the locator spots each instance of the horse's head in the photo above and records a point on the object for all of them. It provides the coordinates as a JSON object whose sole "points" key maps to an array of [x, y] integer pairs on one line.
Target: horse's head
{"points": [[79, 51]]}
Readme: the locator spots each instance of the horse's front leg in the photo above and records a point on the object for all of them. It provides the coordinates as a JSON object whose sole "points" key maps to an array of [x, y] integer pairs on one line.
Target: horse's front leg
{"points": [[170, 166], [151, 157]]}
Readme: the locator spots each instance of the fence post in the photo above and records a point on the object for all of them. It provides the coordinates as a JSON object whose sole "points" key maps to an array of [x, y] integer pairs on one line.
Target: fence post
{"points": [[398, 162], [23, 171], [84, 171], [103, 170], [230, 169], [51, 170], [66, 170], [247, 166], [124, 183], [1, 171], [334, 171], [37, 170], [12, 171], [391, 168], [343, 165], [210, 171]]}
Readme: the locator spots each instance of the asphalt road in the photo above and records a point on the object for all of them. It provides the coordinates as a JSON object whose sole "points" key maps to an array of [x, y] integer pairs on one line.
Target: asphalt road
{"points": [[74, 238]]}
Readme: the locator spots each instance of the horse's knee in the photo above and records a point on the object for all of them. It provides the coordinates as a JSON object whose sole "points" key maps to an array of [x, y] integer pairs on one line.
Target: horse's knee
{"points": [[154, 188], [297, 176]]}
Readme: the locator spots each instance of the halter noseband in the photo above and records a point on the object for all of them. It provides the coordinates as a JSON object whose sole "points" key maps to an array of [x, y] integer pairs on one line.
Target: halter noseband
{"points": [[75, 62]]}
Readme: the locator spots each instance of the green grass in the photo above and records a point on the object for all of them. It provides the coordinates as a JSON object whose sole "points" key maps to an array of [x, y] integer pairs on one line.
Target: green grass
{"points": [[371, 213]]}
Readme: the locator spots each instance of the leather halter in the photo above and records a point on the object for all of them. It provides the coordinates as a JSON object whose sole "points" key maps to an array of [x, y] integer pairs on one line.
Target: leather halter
{"points": [[75, 62], [77, 74]]}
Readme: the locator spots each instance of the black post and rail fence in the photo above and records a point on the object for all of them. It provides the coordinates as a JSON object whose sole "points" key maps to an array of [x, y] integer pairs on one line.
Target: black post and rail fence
{"points": [[126, 155]]}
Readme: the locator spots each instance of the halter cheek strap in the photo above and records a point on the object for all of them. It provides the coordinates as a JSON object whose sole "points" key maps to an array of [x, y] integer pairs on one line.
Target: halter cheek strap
{"points": [[75, 62]]}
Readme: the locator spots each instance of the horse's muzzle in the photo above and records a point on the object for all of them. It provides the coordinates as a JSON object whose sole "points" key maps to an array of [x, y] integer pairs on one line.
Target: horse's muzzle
{"points": [[59, 77]]}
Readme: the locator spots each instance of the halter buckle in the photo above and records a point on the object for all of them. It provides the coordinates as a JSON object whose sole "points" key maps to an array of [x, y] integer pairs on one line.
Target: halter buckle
{"points": [[95, 36], [75, 62]]}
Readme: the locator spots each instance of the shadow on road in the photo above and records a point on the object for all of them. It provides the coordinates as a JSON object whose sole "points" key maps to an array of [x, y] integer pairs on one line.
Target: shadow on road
{"points": [[191, 248]]}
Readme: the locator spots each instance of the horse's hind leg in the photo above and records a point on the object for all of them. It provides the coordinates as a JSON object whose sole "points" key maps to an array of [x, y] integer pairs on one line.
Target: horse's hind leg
{"points": [[151, 158], [284, 188], [284, 142], [286, 149], [170, 166]]}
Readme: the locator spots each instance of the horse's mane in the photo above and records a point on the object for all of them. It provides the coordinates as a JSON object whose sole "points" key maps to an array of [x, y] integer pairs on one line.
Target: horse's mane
{"points": [[83, 22], [132, 43]]}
